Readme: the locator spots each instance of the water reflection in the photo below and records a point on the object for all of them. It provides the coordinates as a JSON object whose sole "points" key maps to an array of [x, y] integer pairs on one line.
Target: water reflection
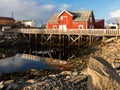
{"points": [[22, 62]]}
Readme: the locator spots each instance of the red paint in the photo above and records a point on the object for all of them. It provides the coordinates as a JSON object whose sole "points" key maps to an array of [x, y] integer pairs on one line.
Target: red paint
{"points": [[99, 24], [65, 20]]}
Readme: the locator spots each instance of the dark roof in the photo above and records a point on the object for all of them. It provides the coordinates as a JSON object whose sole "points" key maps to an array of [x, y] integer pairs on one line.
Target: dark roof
{"points": [[7, 18], [7, 21], [54, 18], [98, 20], [78, 16]]}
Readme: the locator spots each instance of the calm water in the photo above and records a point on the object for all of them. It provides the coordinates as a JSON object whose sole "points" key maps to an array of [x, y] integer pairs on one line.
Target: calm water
{"points": [[24, 62], [21, 62]]}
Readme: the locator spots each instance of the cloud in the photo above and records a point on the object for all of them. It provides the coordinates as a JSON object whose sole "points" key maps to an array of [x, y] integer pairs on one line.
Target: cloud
{"points": [[25, 9], [115, 14], [30, 9], [64, 7]]}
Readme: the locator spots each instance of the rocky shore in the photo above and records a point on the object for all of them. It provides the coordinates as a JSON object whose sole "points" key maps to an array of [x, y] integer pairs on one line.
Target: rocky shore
{"points": [[98, 70], [67, 80]]}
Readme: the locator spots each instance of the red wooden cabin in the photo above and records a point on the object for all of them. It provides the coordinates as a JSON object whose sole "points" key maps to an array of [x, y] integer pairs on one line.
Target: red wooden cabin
{"points": [[72, 20]]}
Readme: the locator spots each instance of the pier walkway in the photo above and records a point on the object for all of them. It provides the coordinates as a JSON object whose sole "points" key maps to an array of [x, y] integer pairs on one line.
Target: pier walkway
{"points": [[94, 32], [68, 37]]}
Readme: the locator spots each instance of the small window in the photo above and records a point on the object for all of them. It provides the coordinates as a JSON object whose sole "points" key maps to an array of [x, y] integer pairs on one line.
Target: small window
{"points": [[91, 19], [61, 18], [54, 27], [80, 27], [91, 26], [113, 27]]}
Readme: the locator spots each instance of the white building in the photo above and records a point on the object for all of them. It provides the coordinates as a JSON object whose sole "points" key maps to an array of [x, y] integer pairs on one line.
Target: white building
{"points": [[30, 23], [113, 26]]}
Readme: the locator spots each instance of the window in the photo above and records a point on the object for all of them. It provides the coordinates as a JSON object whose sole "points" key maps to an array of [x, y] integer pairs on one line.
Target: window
{"points": [[91, 26], [54, 27], [91, 19], [80, 27], [61, 18]]}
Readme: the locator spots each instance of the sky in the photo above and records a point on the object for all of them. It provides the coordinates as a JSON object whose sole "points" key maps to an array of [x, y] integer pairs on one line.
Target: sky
{"points": [[41, 10]]}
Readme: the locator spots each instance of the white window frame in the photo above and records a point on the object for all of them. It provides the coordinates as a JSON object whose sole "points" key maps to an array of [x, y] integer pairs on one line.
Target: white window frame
{"points": [[54, 27], [61, 18], [80, 27], [90, 19], [91, 26]]}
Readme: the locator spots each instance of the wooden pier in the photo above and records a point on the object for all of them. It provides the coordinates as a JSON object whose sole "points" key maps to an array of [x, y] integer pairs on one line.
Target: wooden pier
{"points": [[70, 36], [93, 32], [66, 44]]}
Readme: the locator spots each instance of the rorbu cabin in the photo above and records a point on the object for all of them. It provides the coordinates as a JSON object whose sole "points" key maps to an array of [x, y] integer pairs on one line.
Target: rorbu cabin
{"points": [[67, 20], [6, 22]]}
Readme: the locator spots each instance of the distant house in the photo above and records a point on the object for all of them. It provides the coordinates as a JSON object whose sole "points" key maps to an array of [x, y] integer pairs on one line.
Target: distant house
{"points": [[112, 26], [99, 23], [29, 23], [6, 22], [72, 20]]}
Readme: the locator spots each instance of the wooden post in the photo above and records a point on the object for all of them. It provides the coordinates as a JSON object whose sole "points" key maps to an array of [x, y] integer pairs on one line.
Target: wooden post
{"points": [[63, 45], [81, 40], [29, 43], [69, 40], [90, 40], [103, 39], [59, 46], [36, 44]]}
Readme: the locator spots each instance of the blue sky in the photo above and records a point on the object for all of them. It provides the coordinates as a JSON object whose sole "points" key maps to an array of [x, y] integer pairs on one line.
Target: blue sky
{"points": [[43, 9]]}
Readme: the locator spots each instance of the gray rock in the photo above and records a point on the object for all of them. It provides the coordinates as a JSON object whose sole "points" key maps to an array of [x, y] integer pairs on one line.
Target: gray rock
{"points": [[1, 85], [75, 73], [65, 73]]}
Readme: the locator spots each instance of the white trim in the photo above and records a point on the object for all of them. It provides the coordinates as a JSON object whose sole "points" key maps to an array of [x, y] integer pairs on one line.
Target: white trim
{"points": [[65, 11], [62, 19], [91, 19], [80, 26], [54, 27], [63, 27]]}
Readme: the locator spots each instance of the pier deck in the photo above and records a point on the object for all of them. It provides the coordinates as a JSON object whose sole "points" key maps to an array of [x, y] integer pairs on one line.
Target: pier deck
{"points": [[70, 38], [93, 32]]}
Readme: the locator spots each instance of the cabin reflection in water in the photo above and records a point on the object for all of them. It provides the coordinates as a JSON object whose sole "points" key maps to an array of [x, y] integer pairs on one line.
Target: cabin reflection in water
{"points": [[24, 62]]}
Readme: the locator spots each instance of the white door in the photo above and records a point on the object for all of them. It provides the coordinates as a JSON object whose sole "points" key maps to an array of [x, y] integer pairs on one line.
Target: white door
{"points": [[62, 27]]}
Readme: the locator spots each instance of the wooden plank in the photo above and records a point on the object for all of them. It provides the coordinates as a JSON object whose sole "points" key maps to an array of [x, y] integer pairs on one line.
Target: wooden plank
{"points": [[96, 32]]}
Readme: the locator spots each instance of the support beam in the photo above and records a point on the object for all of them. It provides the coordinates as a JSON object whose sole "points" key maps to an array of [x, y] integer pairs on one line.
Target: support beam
{"points": [[74, 40], [36, 44], [90, 40]]}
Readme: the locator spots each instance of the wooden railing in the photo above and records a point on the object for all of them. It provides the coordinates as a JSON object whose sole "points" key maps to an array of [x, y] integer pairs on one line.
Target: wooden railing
{"points": [[98, 32]]}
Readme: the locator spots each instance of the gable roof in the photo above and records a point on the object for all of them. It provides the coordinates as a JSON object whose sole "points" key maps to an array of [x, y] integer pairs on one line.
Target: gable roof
{"points": [[7, 21], [63, 12], [27, 20], [82, 15], [53, 18], [77, 16], [98, 20], [6, 18]]}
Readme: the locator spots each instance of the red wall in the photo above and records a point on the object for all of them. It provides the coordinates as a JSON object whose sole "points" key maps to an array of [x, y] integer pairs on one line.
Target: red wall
{"points": [[50, 25], [68, 21], [75, 25], [99, 24]]}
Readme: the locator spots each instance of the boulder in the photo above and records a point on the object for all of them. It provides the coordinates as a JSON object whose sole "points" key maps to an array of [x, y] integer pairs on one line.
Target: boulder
{"points": [[101, 75]]}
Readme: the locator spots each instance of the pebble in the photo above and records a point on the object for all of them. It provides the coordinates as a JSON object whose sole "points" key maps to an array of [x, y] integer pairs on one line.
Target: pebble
{"points": [[74, 73], [31, 81], [66, 73]]}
